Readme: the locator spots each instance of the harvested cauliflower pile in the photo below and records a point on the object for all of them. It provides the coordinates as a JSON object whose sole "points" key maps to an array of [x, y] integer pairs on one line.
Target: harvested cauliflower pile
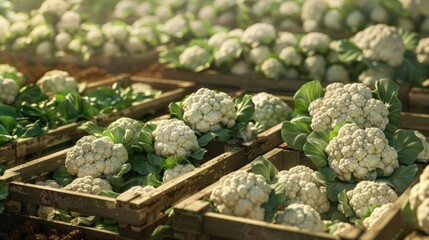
{"points": [[174, 138], [348, 102], [131, 126], [381, 43], [269, 110], [241, 194], [56, 81], [301, 216], [356, 152], [89, 185], [206, 110], [302, 186], [93, 156], [178, 170], [367, 193]]}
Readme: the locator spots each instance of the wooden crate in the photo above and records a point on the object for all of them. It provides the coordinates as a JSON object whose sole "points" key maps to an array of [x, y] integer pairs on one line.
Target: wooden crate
{"points": [[16, 153], [193, 219], [135, 214], [413, 100]]}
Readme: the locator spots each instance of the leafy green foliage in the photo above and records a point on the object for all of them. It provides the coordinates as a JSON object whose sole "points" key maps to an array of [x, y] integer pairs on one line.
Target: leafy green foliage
{"points": [[305, 95], [401, 178], [163, 232], [344, 203], [410, 71], [349, 52], [407, 145], [315, 147], [295, 133], [62, 176], [333, 188], [387, 91], [264, 168], [245, 109]]}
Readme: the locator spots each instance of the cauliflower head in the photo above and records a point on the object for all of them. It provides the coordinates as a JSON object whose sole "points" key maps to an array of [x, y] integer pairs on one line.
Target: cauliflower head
{"points": [[93, 156], [269, 109], [425, 175], [315, 42], [376, 215], [315, 66], [259, 54], [131, 126], [241, 194], [301, 186], [422, 51], [8, 71], [419, 202], [339, 228], [348, 102], [357, 152], [371, 75], [228, 51], [248, 133], [337, 73], [174, 138], [301, 216], [206, 110], [259, 33], [217, 39], [285, 39], [195, 58], [89, 185], [381, 43], [177, 171], [367, 193], [273, 68], [290, 56], [69, 21], [56, 81], [8, 90]]}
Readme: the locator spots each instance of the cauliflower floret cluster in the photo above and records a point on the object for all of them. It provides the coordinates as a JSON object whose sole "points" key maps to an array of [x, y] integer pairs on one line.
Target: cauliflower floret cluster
{"points": [[229, 50], [348, 102], [301, 186], [339, 228], [93, 156], [357, 152], [337, 73], [259, 33], [311, 14], [89, 185], [55, 7], [273, 68], [419, 201], [69, 21], [194, 58], [174, 138], [371, 75], [290, 56], [315, 66], [241, 194], [367, 193], [259, 54], [177, 171], [315, 42], [217, 39], [381, 43], [376, 215], [248, 133], [301, 216], [8, 71], [139, 190], [269, 109], [8, 90], [206, 110], [425, 153], [285, 39], [422, 51], [131, 126], [56, 81]]}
